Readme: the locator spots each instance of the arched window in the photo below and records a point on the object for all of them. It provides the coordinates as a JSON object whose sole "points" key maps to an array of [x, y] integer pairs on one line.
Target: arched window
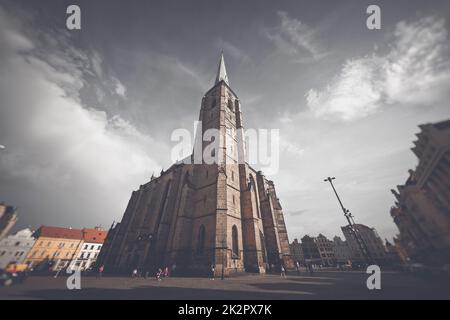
{"points": [[230, 105], [235, 242], [263, 246], [253, 189], [201, 239]]}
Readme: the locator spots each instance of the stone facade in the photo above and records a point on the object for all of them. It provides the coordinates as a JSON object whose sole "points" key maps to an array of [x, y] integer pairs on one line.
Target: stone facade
{"points": [[193, 216], [422, 206]]}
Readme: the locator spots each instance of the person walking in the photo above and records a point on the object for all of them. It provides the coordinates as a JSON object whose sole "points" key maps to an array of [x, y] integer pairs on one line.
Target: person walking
{"points": [[213, 269], [297, 267], [159, 274], [283, 272], [134, 273], [311, 269], [100, 271], [166, 272]]}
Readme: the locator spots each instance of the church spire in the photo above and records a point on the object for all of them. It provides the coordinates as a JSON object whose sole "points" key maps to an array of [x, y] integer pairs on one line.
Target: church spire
{"points": [[222, 71]]}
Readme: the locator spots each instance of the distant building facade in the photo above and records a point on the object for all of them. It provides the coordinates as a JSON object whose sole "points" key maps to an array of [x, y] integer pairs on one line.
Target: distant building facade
{"points": [[54, 248], [297, 252], [15, 247], [92, 244], [372, 240], [311, 253], [325, 247], [193, 216], [8, 218], [422, 208], [342, 251], [57, 248]]}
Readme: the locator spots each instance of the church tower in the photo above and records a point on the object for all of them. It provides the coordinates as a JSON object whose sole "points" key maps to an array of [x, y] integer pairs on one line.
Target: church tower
{"points": [[221, 212]]}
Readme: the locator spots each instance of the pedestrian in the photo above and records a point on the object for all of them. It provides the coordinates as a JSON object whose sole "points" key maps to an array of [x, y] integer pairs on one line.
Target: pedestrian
{"points": [[213, 269], [297, 267], [134, 273], [159, 274], [283, 272], [166, 272], [311, 269], [100, 271]]}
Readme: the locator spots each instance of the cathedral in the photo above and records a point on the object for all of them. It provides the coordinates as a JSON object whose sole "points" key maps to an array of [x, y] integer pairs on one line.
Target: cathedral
{"points": [[197, 215]]}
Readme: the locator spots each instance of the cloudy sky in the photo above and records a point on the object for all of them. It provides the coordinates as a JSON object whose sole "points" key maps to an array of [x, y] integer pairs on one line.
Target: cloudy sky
{"points": [[86, 116]]}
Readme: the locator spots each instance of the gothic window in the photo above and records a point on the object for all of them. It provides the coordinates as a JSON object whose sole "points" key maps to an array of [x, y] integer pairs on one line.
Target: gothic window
{"points": [[201, 239], [235, 243], [253, 189], [230, 104]]}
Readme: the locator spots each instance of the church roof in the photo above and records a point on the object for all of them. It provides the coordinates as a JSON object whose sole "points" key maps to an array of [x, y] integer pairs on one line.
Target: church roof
{"points": [[222, 71]]}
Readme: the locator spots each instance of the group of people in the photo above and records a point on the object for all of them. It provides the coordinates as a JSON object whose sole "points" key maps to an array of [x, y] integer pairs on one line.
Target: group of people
{"points": [[159, 275]]}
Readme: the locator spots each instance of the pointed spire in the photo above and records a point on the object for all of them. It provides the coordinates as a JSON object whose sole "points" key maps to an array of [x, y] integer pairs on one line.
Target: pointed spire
{"points": [[222, 71]]}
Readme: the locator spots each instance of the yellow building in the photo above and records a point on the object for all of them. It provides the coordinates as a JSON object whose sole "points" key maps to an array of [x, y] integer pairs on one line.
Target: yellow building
{"points": [[54, 248]]}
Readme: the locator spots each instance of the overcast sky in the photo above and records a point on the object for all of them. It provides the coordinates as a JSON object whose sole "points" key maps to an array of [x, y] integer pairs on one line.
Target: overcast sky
{"points": [[86, 116]]}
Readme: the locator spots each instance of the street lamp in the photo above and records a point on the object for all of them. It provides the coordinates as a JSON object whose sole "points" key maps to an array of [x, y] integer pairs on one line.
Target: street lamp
{"points": [[222, 277], [351, 223]]}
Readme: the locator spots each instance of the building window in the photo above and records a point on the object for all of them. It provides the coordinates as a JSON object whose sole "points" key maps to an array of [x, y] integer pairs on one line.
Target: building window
{"points": [[235, 242], [233, 199], [201, 239], [85, 247], [230, 104]]}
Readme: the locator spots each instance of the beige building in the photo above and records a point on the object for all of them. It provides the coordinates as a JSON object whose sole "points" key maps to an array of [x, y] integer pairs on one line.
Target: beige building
{"points": [[325, 247], [54, 248], [297, 252], [225, 214], [422, 207]]}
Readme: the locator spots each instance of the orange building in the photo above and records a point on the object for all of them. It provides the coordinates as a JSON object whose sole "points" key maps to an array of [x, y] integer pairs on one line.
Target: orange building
{"points": [[55, 247]]}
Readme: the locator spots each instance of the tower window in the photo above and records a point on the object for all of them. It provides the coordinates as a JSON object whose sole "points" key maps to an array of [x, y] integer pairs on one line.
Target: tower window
{"points": [[230, 105], [235, 243]]}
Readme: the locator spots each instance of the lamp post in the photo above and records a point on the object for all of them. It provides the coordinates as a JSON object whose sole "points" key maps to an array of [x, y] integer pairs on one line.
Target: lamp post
{"points": [[351, 223], [222, 277]]}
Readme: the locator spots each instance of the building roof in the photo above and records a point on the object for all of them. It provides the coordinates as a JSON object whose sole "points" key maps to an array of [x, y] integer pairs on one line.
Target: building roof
{"points": [[222, 71], [94, 235], [59, 232]]}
